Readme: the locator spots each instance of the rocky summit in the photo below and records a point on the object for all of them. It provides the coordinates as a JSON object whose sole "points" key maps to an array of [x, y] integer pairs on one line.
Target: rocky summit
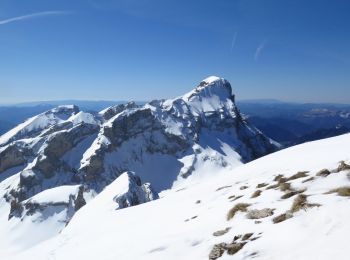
{"points": [[180, 178], [54, 163]]}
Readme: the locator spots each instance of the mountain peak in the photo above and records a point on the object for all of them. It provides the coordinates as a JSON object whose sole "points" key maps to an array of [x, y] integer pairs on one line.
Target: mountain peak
{"points": [[59, 161], [211, 79], [38, 123], [212, 86], [212, 94], [214, 81]]}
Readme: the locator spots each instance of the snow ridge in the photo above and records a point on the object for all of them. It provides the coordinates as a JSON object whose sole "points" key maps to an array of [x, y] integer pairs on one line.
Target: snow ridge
{"points": [[55, 163]]}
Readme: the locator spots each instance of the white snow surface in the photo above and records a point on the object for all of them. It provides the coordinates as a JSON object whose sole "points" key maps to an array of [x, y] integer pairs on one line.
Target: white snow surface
{"points": [[210, 96], [57, 194], [178, 226], [83, 117], [197, 178], [40, 122]]}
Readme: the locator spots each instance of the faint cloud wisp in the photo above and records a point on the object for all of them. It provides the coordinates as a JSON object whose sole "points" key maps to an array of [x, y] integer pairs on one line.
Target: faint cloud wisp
{"points": [[233, 43], [31, 16], [259, 50]]}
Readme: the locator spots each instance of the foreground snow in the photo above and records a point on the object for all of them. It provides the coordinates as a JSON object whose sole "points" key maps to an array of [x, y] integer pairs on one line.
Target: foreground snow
{"points": [[181, 223], [55, 163]]}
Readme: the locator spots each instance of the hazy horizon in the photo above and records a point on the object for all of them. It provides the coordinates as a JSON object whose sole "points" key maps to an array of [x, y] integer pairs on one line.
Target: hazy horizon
{"points": [[71, 102]]}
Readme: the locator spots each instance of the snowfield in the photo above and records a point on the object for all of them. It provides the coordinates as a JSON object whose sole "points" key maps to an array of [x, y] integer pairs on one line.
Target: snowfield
{"points": [[180, 225], [172, 179]]}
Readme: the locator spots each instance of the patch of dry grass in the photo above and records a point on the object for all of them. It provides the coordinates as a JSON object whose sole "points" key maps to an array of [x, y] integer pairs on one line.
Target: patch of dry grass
{"points": [[284, 186], [256, 194], [281, 179], [298, 176], [289, 194], [300, 202], [238, 197], [282, 182], [292, 193], [243, 187], [234, 248], [282, 217], [308, 179], [278, 177], [219, 249], [247, 236], [323, 173], [273, 186], [342, 167], [342, 191], [238, 207], [259, 213], [261, 185], [223, 187], [221, 232], [236, 237]]}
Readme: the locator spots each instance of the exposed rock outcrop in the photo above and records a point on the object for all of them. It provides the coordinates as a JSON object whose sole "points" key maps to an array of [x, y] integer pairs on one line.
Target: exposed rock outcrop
{"points": [[134, 193], [161, 141], [10, 157], [65, 201]]}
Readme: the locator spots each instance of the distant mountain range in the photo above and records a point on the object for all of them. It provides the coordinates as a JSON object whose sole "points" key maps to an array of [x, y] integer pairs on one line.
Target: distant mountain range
{"points": [[287, 123], [293, 123], [163, 141], [183, 178], [11, 115]]}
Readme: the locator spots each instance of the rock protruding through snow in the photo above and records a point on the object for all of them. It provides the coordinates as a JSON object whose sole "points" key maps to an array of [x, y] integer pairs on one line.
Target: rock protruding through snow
{"points": [[167, 143], [132, 192]]}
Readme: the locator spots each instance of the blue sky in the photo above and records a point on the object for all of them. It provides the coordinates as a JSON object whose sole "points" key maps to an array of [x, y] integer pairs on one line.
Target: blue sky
{"points": [[144, 49]]}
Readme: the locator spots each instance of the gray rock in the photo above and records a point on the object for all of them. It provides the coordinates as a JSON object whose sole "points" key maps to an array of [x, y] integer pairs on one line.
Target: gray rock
{"points": [[46, 209], [130, 134], [79, 201], [10, 157], [221, 232], [324, 173], [136, 193], [217, 251], [257, 214]]}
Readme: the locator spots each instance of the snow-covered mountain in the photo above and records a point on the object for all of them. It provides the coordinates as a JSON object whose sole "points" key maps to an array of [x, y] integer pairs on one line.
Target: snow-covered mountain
{"points": [[57, 162], [74, 185], [292, 204]]}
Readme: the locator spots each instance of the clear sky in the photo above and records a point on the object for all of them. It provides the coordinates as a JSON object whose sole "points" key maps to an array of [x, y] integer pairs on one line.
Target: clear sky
{"points": [[295, 50]]}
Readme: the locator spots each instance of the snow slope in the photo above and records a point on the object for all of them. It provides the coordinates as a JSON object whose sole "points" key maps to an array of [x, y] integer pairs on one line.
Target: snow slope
{"points": [[180, 225], [53, 165], [38, 123]]}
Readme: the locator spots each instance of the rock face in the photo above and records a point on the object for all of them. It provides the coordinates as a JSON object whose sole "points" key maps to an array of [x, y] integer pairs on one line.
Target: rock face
{"points": [[62, 201], [133, 193], [193, 126], [37, 124], [10, 157], [162, 142]]}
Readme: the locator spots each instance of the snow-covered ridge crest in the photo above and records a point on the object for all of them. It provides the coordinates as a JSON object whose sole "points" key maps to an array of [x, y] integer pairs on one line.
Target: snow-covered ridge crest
{"points": [[83, 117], [196, 125], [281, 206], [213, 84], [36, 124], [165, 143], [212, 94], [130, 191]]}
